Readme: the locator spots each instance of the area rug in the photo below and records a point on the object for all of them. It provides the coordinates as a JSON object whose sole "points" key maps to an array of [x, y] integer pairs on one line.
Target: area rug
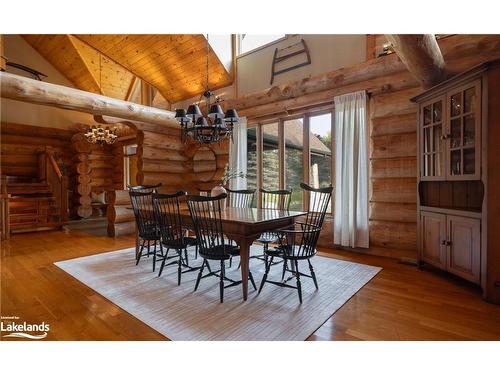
{"points": [[179, 313]]}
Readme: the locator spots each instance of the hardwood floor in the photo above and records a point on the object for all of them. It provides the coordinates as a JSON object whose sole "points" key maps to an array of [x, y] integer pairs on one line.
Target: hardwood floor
{"points": [[400, 303]]}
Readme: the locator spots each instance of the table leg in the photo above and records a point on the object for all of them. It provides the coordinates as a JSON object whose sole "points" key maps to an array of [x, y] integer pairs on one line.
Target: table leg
{"points": [[244, 258]]}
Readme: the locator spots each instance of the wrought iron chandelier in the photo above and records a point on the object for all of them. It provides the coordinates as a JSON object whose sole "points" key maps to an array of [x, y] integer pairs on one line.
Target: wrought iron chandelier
{"points": [[212, 128], [99, 135]]}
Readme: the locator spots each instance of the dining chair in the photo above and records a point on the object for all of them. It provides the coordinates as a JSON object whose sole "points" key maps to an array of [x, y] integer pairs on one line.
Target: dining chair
{"points": [[145, 221], [240, 198], [206, 215], [299, 243], [173, 233], [275, 200]]}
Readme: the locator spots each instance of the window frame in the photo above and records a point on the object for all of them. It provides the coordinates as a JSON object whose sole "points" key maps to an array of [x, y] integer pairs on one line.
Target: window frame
{"points": [[305, 116]]}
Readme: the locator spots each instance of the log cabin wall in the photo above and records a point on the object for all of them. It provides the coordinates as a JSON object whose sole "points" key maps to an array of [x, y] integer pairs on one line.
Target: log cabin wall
{"points": [[161, 159], [393, 171], [99, 168], [392, 129], [164, 158]]}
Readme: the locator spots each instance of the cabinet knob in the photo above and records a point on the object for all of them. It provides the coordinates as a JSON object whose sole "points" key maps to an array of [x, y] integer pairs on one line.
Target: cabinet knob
{"points": [[445, 243]]}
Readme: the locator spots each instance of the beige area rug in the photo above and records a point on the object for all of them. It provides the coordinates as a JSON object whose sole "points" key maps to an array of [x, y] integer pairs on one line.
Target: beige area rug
{"points": [[181, 314]]}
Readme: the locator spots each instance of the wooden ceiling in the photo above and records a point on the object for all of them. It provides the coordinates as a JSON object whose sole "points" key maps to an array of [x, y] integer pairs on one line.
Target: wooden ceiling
{"points": [[173, 64]]}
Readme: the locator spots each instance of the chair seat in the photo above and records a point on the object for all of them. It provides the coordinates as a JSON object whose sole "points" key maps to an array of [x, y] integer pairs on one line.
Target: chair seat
{"points": [[268, 237], [178, 244], [288, 252], [219, 253]]}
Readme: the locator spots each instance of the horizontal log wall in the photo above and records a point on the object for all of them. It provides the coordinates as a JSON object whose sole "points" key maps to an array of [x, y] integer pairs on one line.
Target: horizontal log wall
{"points": [[393, 168], [161, 158], [121, 219]]}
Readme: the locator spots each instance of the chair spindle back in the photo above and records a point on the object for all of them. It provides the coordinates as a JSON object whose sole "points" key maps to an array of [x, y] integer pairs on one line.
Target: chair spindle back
{"points": [[240, 198], [168, 217], [276, 199], [206, 215]]}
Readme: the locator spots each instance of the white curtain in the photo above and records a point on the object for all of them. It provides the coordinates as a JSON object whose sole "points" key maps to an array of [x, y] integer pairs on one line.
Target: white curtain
{"points": [[238, 154], [351, 171]]}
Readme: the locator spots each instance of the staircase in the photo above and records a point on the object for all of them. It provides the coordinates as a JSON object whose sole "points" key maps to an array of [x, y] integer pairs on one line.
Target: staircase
{"points": [[37, 203]]}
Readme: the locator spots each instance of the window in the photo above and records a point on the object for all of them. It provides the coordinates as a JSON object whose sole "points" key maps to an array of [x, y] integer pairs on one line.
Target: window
{"points": [[252, 160], [293, 150], [320, 146], [249, 42], [294, 160], [270, 157]]}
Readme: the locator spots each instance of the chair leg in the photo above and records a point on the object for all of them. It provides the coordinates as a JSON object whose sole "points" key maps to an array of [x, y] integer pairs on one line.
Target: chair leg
{"points": [[154, 257], [284, 268], [264, 278], [250, 276], [230, 262], [149, 245], [221, 282], [140, 253], [196, 252], [199, 275], [313, 275], [179, 268], [161, 248], [297, 275], [162, 266], [186, 256]]}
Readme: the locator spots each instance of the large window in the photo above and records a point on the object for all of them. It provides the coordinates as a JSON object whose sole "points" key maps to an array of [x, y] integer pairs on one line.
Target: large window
{"points": [[249, 42], [270, 157], [294, 160], [290, 151], [252, 158]]}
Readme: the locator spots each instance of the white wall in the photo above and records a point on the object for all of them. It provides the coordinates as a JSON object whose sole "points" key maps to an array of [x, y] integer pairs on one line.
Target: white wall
{"points": [[328, 53], [19, 51]]}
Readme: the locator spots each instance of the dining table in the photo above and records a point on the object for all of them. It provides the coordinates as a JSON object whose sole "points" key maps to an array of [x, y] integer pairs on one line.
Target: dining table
{"points": [[244, 226]]}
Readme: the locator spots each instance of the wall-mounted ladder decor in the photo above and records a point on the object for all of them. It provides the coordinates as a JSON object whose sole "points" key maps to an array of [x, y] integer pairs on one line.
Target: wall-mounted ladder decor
{"points": [[284, 54]]}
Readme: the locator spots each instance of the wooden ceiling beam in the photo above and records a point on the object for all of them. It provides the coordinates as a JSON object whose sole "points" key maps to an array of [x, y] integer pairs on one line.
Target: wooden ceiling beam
{"points": [[421, 55], [32, 91]]}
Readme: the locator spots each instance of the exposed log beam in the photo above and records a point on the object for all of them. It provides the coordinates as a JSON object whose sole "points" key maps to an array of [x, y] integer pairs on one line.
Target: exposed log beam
{"points": [[29, 90], [329, 81], [421, 55]]}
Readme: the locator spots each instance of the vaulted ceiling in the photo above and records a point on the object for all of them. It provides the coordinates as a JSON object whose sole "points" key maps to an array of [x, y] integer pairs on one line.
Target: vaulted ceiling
{"points": [[108, 64]]}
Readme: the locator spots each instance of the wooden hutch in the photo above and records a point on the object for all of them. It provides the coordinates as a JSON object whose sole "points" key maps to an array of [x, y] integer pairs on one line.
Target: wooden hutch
{"points": [[458, 207]]}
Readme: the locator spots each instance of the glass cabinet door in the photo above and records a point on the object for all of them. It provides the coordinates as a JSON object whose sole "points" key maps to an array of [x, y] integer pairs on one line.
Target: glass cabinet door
{"points": [[463, 132], [432, 141]]}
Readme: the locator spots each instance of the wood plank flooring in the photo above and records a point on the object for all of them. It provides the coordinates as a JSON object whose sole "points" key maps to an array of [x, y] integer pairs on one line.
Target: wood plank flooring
{"points": [[400, 303]]}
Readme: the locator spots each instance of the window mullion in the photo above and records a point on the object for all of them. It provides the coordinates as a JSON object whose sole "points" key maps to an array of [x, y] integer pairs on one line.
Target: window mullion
{"points": [[306, 157]]}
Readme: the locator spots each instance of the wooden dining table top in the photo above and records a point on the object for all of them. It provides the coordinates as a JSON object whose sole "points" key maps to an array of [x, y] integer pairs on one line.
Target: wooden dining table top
{"points": [[251, 215]]}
